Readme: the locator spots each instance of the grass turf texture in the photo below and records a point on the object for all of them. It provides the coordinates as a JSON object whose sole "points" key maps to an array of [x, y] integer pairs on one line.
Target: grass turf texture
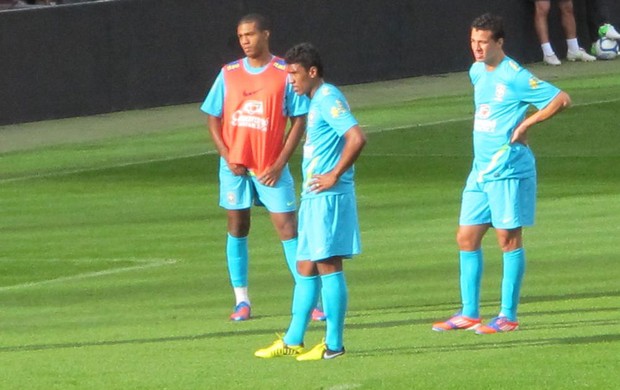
{"points": [[112, 271]]}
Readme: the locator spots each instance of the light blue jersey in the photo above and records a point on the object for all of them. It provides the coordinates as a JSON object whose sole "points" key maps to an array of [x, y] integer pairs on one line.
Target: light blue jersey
{"points": [[294, 105], [329, 118], [501, 98]]}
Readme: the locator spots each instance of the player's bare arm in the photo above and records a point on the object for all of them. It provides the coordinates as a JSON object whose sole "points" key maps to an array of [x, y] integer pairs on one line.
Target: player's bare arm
{"points": [[272, 174], [561, 101], [355, 140], [215, 129]]}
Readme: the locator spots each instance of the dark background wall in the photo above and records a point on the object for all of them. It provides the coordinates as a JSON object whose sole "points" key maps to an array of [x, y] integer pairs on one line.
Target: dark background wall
{"points": [[74, 60]]}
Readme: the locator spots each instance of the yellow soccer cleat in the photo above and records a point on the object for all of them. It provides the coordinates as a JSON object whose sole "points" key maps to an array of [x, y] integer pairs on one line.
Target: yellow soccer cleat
{"points": [[278, 348], [320, 352]]}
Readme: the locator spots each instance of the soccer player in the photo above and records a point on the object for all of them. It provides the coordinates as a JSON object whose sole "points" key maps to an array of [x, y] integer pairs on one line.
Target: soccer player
{"points": [[248, 108], [328, 225], [500, 191]]}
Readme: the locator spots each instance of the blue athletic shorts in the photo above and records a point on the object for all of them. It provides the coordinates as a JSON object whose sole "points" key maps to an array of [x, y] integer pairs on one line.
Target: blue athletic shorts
{"points": [[240, 192], [505, 204], [328, 227]]}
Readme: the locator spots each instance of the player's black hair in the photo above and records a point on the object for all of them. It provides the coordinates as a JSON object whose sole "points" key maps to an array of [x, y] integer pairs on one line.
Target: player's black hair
{"points": [[262, 22], [490, 22], [306, 55]]}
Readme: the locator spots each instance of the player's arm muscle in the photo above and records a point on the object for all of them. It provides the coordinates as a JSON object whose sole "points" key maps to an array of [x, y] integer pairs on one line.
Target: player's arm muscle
{"points": [[214, 124], [355, 139], [561, 101]]}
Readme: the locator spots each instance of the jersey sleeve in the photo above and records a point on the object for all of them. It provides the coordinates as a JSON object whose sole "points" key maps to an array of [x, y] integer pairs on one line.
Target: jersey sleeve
{"points": [[295, 105], [534, 91], [336, 112], [214, 102]]}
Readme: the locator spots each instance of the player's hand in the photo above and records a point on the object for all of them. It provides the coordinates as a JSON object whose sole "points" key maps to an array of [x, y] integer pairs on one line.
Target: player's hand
{"points": [[271, 176], [238, 169], [322, 183], [519, 135]]}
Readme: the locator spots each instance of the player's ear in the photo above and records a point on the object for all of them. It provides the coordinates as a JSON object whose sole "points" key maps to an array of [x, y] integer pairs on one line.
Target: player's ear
{"points": [[312, 72], [500, 42]]}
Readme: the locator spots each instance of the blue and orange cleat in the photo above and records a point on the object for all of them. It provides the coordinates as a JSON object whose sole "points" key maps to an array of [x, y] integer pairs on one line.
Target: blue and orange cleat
{"points": [[318, 315], [498, 325], [242, 312], [457, 322]]}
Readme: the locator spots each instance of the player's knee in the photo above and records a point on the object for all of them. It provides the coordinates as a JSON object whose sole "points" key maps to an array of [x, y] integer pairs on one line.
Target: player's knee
{"points": [[466, 242], [509, 240], [286, 225], [306, 268], [239, 227]]}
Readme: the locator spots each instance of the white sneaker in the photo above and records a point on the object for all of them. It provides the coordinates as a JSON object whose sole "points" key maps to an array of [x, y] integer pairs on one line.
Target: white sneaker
{"points": [[580, 55], [608, 31], [552, 60]]}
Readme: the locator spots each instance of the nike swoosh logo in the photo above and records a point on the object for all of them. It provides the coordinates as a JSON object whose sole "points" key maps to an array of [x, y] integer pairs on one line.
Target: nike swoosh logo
{"points": [[246, 93]]}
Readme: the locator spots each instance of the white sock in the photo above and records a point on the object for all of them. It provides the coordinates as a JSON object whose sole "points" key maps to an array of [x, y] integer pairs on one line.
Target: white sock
{"points": [[572, 44], [547, 49], [241, 295]]}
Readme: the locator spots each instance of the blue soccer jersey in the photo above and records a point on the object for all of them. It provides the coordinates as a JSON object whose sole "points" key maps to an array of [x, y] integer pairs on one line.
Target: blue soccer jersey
{"points": [[501, 99], [329, 118], [213, 104]]}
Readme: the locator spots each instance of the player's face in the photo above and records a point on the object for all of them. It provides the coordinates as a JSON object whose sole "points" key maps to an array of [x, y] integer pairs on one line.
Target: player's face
{"points": [[301, 79], [253, 41], [485, 48]]}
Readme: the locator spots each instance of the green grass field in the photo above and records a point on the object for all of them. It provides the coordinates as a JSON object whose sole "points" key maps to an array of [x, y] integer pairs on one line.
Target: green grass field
{"points": [[112, 270]]}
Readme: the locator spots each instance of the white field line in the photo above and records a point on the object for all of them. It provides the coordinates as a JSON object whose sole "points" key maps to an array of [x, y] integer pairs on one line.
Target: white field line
{"points": [[102, 168], [172, 158], [344, 386], [86, 275]]}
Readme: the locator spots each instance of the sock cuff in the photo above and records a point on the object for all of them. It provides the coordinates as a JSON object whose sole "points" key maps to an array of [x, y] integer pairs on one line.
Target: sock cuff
{"points": [[332, 275], [477, 251], [238, 239], [289, 241], [514, 252], [308, 278]]}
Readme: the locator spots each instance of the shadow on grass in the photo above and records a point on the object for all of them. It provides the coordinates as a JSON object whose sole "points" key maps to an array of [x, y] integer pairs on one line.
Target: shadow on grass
{"points": [[494, 344], [414, 320]]}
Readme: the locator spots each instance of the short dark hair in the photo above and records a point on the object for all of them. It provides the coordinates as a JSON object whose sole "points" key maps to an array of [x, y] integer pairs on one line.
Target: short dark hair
{"points": [[262, 22], [490, 22], [306, 55]]}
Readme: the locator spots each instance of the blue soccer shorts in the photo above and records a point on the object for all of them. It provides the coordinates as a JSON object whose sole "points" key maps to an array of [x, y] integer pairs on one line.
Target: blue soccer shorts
{"points": [[505, 204], [240, 192], [328, 227]]}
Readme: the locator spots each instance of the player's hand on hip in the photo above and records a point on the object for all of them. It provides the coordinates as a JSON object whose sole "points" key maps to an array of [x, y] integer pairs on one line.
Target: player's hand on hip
{"points": [[519, 135], [324, 182]]}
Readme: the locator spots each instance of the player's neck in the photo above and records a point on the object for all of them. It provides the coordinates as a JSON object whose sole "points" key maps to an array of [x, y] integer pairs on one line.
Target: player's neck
{"points": [[260, 61], [494, 62], [316, 86]]}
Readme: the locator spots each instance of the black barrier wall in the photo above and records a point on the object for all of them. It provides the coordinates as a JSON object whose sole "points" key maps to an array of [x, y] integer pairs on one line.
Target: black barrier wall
{"points": [[75, 60]]}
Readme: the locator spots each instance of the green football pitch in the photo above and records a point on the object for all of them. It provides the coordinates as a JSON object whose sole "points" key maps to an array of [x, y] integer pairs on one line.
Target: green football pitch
{"points": [[112, 269]]}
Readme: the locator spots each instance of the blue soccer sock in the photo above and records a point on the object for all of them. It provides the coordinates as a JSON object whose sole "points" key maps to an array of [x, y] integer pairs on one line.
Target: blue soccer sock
{"points": [[305, 295], [335, 300], [290, 253], [237, 258], [471, 266], [514, 268]]}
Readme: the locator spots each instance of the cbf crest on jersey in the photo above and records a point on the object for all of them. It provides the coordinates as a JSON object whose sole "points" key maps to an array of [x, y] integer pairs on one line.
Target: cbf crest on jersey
{"points": [[311, 117], [500, 91]]}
